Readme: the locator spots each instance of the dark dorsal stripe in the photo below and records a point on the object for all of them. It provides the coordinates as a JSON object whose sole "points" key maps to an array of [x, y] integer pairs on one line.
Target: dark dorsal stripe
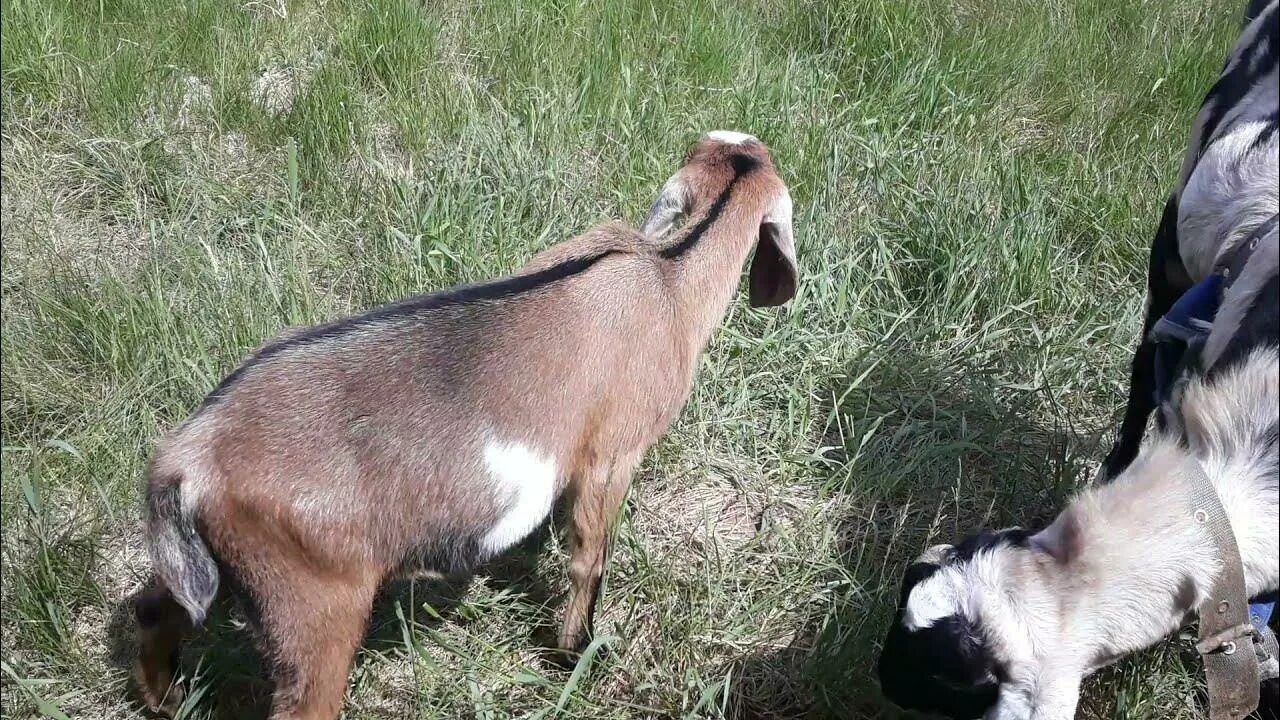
{"points": [[743, 165], [1254, 9], [1268, 131], [1233, 85], [465, 295]]}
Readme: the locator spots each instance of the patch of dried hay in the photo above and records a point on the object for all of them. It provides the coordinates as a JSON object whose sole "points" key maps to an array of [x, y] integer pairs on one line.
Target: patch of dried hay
{"points": [[388, 688], [386, 156], [718, 514], [197, 101], [278, 87], [47, 220]]}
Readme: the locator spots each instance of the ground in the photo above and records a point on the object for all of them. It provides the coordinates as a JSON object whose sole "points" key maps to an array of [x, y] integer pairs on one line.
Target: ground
{"points": [[976, 183]]}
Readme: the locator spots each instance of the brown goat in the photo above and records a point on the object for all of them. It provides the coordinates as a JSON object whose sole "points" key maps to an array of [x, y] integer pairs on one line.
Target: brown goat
{"points": [[431, 434]]}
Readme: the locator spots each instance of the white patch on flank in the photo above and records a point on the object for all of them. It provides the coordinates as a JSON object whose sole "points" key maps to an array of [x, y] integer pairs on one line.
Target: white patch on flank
{"points": [[930, 601], [730, 137], [526, 484]]}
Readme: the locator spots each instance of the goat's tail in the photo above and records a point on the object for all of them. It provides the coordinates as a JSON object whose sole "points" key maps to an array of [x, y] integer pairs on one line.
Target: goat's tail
{"points": [[178, 553]]}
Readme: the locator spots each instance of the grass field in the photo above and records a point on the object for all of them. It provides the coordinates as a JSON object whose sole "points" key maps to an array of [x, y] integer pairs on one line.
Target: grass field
{"points": [[976, 182]]}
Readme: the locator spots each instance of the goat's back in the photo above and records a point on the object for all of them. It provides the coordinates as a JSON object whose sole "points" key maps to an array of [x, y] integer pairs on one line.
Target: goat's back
{"points": [[366, 435]]}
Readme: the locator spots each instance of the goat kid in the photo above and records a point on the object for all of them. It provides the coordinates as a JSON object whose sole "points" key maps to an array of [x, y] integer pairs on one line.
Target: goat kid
{"points": [[1006, 624], [434, 433]]}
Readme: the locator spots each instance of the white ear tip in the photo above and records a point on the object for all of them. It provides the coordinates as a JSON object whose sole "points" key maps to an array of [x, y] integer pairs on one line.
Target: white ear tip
{"points": [[731, 137]]}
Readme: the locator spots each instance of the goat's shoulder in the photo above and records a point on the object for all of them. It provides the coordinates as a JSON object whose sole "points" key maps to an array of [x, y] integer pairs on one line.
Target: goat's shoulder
{"points": [[612, 238]]}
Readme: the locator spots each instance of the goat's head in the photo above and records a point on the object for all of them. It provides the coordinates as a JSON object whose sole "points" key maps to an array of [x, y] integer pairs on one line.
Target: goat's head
{"points": [[964, 616], [719, 165]]}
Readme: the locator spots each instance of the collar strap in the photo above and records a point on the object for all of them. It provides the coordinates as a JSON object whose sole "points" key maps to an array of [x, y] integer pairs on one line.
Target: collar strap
{"points": [[1225, 637], [1232, 262]]}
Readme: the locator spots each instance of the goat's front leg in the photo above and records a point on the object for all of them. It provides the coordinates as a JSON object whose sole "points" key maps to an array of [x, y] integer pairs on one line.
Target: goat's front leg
{"points": [[1050, 695], [1058, 697], [599, 496]]}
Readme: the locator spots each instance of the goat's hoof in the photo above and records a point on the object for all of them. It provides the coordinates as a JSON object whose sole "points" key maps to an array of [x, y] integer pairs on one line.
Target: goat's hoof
{"points": [[165, 705], [563, 658], [568, 657], [566, 654]]}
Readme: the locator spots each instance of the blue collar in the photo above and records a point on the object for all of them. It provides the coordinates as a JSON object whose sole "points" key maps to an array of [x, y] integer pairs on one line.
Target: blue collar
{"points": [[1191, 317], [1179, 335], [1260, 614]]}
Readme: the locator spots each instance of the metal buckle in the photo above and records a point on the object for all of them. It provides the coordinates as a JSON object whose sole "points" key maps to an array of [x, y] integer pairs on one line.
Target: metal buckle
{"points": [[1225, 641]]}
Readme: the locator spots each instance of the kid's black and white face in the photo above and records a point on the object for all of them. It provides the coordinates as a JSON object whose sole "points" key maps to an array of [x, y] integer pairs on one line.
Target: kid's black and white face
{"points": [[961, 644], [934, 659]]}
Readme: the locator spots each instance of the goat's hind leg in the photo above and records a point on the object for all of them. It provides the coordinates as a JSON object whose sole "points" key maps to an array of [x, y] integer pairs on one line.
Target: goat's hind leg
{"points": [[311, 630], [162, 624]]}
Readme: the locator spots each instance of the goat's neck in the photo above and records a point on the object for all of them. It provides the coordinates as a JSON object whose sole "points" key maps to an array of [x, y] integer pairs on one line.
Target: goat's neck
{"points": [[706, 277], [1136, 563]]}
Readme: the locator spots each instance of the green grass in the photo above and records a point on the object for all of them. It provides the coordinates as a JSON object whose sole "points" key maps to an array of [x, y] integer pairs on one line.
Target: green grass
{"points": [[976, 183]]}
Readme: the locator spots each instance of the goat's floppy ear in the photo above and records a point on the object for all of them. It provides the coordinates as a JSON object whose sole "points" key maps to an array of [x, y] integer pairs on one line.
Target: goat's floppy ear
{"points": [[672, 202], [1061, 539], [774, 273], [937, 554]]}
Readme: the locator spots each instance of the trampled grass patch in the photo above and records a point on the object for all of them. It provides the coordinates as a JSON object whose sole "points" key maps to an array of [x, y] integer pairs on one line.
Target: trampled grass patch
{"points": [[976, 183]]}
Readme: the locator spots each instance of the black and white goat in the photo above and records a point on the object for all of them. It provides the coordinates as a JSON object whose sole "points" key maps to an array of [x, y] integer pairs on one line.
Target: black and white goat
{"points": [[1006, 624], [1226, 189]]}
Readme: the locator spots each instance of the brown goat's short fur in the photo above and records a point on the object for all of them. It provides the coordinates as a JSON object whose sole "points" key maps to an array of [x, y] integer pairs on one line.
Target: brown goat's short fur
{"points": [[348, 454]]}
